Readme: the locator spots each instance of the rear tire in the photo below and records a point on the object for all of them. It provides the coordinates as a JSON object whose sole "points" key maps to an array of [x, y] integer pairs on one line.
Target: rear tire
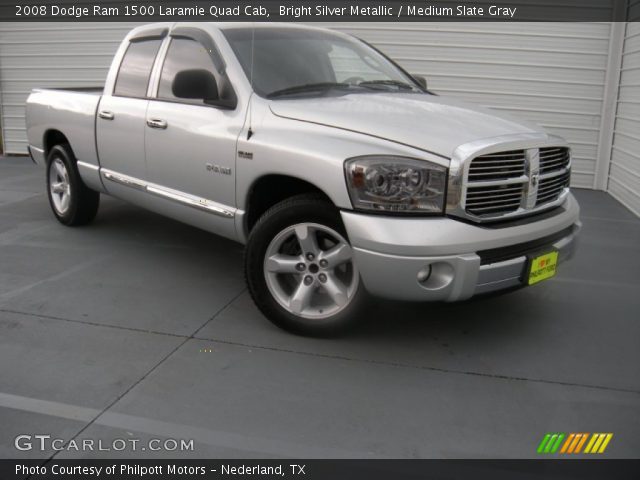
{"points": [[300, 268], [71, 201]]}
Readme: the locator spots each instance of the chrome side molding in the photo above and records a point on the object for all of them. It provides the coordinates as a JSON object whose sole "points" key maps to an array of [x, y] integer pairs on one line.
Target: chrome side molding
{"points": [[169, 194], [195, 202], [125, 180], [89, 166]]}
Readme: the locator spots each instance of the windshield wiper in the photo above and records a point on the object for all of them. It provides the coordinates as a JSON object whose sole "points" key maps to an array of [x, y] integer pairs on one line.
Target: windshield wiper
{"points": [[391, 83], [309, 87]]}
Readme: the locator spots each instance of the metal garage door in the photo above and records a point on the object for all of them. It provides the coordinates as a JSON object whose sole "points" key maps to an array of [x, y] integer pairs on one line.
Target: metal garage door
{"points": [[50, 55], [624, 173], [550, 73]]}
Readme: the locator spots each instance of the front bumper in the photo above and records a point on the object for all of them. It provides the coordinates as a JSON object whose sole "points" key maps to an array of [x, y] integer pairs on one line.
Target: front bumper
{"points": [[444, 259]]}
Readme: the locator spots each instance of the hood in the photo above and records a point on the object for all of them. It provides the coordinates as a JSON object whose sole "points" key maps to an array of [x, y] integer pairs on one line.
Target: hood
{"points": [[428, 122]]}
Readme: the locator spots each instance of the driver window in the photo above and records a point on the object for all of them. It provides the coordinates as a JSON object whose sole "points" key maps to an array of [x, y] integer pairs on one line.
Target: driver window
{"points": [[184, 54]]}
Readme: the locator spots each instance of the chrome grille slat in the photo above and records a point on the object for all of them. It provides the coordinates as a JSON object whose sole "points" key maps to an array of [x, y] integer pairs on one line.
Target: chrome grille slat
{"points": [[554, 159], [554, 179], [500, 161], [498, 165], [547, 161], [554, 156], [554, 165], [475, 200], [482, 195], [506, 200], [548, 186], [499, 208], [482, 190], [509, 183], [555, 173], [496, 173], [512, 153], [551, 191], [546, 198]]}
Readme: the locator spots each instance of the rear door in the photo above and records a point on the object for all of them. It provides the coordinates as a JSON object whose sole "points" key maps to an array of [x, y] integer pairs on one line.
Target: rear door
{"points": [[121, 122]]}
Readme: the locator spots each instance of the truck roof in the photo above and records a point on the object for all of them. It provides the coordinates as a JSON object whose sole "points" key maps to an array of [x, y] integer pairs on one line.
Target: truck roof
{"points": [[224, 25]]}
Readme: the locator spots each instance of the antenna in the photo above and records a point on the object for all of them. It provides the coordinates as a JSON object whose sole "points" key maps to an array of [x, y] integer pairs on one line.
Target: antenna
{"points": [[253, 44]]}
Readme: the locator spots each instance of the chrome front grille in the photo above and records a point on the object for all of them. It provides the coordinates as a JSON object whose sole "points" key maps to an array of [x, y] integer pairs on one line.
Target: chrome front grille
{"points": [[515, 182]]}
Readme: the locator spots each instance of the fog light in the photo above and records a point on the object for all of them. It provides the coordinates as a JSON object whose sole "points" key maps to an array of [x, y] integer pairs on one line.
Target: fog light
{"points": [[436, 276], [424, 274]]}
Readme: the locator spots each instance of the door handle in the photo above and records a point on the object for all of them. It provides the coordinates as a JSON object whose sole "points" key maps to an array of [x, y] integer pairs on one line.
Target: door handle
{"points": [[157, 123], [106, 115]]}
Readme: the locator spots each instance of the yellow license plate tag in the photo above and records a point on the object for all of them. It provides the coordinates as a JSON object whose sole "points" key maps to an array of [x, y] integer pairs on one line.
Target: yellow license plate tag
{"points": [[542, 267]]}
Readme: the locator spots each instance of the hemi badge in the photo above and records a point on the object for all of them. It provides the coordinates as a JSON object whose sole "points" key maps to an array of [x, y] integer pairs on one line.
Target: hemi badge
{"points": [[247, 155]]}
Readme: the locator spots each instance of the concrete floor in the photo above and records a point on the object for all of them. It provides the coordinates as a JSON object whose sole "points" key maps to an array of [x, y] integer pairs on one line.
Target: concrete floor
{"points": [[140, 327]]}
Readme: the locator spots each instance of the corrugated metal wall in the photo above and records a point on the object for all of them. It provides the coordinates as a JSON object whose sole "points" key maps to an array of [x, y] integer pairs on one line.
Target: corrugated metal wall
{"points": [[550, 73], [50, 55], [624, 173]]}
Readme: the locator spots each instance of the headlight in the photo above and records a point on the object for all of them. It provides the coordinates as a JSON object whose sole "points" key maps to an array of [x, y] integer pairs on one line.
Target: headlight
{"points": [[396, 184]]}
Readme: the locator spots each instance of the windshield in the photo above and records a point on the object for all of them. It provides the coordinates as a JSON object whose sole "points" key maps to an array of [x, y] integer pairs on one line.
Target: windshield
{"points": [[298, 61]]}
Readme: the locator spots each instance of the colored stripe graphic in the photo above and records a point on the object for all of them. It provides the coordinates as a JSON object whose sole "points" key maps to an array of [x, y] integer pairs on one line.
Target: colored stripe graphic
{"points": [[598, 443], [572, 443], [581, 443], [550, 443], [544, 442], [567, 442], [604, 445], [556, 445]]}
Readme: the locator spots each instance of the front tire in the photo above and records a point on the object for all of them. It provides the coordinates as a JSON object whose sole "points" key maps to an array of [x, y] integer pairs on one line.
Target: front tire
{"points": [[71, 201], [300, 268]]}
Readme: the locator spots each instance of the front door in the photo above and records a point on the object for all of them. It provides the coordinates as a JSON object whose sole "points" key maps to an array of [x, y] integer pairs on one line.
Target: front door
{"points": [[191, 146]]}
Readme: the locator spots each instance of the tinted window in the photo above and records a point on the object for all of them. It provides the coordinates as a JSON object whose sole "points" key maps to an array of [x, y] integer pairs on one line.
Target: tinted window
{"points": [[133, 76], [290, 57], [184, 54]]}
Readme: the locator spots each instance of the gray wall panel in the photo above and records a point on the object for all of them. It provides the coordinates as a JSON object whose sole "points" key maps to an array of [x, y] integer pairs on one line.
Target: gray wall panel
{"points": [[624, 173]]}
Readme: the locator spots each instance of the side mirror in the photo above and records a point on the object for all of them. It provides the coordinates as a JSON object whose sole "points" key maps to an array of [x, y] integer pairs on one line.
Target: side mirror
{"points": [[196, 84], [421, 80]]}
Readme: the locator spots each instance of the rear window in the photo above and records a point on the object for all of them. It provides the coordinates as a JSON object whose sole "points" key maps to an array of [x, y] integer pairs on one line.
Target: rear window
{"points": [[135, 69]]}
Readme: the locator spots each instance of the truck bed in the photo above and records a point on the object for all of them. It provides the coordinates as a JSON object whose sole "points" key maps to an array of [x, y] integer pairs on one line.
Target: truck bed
{"points": [[87, 90], [72, 108]]}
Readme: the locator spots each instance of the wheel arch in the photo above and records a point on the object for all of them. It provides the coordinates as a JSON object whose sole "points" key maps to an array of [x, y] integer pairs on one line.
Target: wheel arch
{"points": [[270, 189], [53, 137]]}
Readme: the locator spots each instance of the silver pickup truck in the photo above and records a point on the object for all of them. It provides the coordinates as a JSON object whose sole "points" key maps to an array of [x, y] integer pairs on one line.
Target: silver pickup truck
{"points": [[340, 172]]}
